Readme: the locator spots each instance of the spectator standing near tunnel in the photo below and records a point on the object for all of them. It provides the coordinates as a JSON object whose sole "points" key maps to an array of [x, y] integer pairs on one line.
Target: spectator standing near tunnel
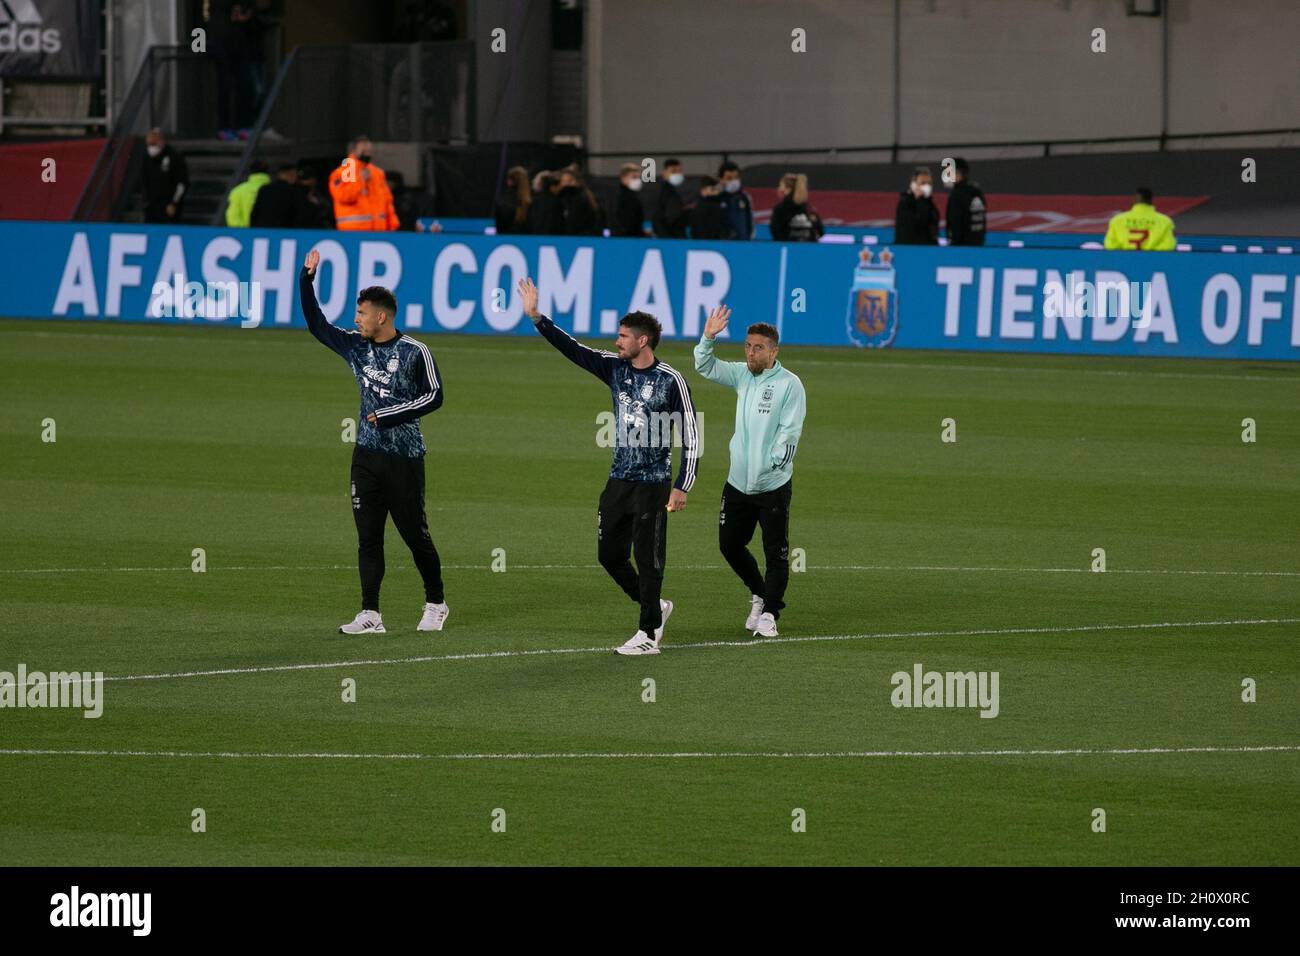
{"points": [[737, 207], [629, 214], [967, 211], [670, 218], [165, 179], [916, 221], [362, 199]]}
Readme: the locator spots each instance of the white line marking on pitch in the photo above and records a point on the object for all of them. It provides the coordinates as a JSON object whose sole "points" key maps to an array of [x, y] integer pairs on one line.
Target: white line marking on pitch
{"points": [[651, 755], [1284, 375], [681, 567], [539, 651]]}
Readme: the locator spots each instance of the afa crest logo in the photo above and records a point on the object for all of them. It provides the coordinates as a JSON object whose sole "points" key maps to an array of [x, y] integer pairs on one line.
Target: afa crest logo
{"points": [[873, 302]]}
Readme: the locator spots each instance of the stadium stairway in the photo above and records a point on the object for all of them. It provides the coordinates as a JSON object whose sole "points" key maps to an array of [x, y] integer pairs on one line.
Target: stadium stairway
{"points": [[211, 163]]}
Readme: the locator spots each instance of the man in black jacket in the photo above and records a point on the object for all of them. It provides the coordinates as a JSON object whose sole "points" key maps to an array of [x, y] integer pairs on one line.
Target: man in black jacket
{"points": [[916, 221], [966, 209], [164, 180], [670, 213], [282, 203], [629, 214], [579, 211], [708, 218]]}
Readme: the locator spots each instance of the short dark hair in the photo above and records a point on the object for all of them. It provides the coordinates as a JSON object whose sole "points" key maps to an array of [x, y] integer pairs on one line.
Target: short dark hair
{"points": [[381, 297], [727, 167], [643, 323], [259, 166], [706, 181], [671, 162], [765, 330], [961, 165], [920, 171], [1144, 193]]}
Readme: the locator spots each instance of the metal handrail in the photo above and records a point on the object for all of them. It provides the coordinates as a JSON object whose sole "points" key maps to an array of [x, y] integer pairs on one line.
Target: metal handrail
{"points": [[896, 148], [119, 137], [255, 135]]}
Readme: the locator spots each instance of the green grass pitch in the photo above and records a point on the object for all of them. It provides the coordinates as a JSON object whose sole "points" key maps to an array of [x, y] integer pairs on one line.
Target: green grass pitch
{"points": [[962, 556]]}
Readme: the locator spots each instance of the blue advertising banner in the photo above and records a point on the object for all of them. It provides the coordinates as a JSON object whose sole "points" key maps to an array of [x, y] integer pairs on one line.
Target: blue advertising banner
{"points": [[1281, 245], [990, 299]]}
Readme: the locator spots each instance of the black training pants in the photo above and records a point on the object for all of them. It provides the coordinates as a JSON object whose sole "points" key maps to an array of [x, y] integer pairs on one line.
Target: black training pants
{"points": [[384, 484], [736, 520], [633, 519]]}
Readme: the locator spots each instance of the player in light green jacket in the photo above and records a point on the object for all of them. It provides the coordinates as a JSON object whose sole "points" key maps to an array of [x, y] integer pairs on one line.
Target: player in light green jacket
{"points": [[770, 407]]}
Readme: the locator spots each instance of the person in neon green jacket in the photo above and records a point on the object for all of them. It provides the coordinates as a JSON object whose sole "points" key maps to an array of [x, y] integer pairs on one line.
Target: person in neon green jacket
{"points": [[770, 409], [1141, 227], [239, 206]]}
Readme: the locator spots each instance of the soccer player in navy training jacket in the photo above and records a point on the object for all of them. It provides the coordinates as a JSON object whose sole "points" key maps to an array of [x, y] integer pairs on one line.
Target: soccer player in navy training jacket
{"points": [[399, 382], [650, 397]]}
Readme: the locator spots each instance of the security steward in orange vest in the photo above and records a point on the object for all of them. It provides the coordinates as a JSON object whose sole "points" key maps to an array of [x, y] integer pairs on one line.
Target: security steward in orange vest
{"points": [[362, 199]]}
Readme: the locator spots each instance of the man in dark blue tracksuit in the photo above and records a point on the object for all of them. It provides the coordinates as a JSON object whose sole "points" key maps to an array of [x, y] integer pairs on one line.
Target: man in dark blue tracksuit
{"points": [[399, 382], [650, 398]]}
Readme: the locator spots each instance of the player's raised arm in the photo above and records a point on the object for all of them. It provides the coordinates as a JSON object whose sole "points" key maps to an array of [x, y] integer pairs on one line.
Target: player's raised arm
{"points": [[596, 361], [706, 363], [320, 327]]}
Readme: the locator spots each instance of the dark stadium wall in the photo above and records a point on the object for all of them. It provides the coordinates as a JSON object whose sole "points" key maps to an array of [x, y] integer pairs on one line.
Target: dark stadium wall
{"points": [[511, 87], [346, 21], [661, 78]]}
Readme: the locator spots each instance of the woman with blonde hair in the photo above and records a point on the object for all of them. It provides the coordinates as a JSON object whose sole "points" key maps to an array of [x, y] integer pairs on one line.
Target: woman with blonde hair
{"points": [[513, 206], [794, 219]]}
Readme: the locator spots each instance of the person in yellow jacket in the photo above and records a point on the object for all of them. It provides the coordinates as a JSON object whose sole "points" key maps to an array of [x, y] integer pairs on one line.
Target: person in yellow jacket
{"points": [[239, 205], [362, 199], [1141, 227]]}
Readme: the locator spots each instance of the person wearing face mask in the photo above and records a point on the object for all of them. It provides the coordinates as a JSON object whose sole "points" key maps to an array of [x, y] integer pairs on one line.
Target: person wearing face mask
{"points": [[737, 207], [629, 215], [916, 221], [670, 217], [165, 180], [362, 199]]}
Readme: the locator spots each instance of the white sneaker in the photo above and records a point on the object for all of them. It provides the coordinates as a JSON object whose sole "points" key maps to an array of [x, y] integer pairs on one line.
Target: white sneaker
{"points": [[755, 609], [434, 616], [367, 622], [638, 643], [766, 626], [665, 608]]}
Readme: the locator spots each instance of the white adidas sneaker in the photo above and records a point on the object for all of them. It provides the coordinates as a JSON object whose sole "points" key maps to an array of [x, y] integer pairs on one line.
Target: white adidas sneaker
{"points": [[435, 615], [665, 608], [367, 622], [755, 609], [766, 626], [638, 643]]}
